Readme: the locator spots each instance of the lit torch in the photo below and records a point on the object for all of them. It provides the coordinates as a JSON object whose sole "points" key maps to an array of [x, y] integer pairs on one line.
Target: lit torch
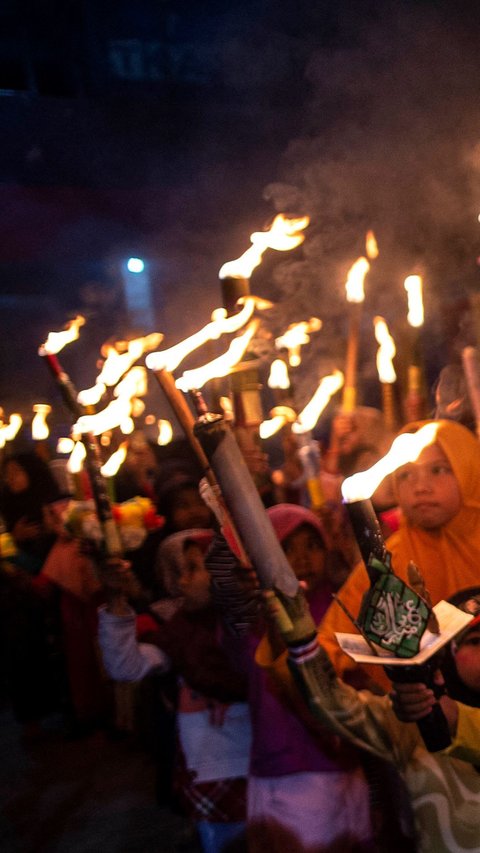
{"points": [[386, 371], [415, 398], [355, 295], [393, 615], [308, 451], [49, 350]]}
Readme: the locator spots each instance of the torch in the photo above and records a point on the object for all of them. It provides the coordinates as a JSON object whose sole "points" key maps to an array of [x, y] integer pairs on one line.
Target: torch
{"points": [[415, 397], [244, 503], [54, 343], [386, 371], [355, 295], [393, 615]]}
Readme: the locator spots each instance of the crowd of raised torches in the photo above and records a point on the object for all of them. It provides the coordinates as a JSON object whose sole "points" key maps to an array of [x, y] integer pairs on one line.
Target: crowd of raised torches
{"points": [[125, 382]]}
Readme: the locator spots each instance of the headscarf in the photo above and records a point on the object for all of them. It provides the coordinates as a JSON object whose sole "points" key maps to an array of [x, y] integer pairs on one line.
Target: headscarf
{"points": [[449, 558], [286, 518]]}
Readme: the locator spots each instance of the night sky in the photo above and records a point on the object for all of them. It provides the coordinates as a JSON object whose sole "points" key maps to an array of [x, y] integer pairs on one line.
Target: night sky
{"points": [[174, 130]]}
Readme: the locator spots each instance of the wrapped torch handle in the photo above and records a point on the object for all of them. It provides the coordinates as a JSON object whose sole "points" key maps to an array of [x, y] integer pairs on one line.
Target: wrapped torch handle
{"points": [[245, 505], [434, 727]]}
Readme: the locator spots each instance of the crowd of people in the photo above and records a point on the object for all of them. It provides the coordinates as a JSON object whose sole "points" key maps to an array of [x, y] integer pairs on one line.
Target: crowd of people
{"points": [[265, 735]]}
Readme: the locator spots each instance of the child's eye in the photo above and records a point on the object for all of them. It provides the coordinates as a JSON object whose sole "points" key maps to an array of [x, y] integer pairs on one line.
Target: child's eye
{"points": [[403, 475], [441, 468]]}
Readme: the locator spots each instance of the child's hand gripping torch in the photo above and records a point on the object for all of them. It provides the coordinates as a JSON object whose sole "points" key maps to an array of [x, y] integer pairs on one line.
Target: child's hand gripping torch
{"points": [[393, 616]]}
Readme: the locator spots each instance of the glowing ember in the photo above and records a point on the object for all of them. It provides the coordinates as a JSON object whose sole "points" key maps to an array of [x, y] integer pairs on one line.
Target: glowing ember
{"points": [[386, 351], [278, 377], [328, 386], [78, 454], [220, 325], [406, 448], [112, 465], [413, 286], [220, 366], [355, 280], [282, 236], [281, 415], [40, 429], [296, 336], [371, 246], [165, 432], [57, 340]]}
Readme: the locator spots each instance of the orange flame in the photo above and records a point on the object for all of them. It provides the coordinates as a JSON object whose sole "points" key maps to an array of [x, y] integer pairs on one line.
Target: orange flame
{"points": [[40, 429], [10, 430], [78, 454], [283, 236], [117, 363], [165, 432], [307, 418], [413, 286], [57, 340], [220, 366], [371, 246], [281, 415], [355, 280], [386, 351], [114, 462], [406, 448], [296, 336], [91, 396], [220, 325], [65, 445], [278, 377]]}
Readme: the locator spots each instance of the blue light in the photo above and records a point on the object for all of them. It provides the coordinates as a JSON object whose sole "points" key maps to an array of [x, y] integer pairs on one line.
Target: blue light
{"points": [[135, 265]]}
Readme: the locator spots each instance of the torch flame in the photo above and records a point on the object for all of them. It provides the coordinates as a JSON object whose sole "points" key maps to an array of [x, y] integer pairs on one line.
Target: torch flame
{"points": [[65, 445], [413, 286], [220, 325], [386, 351], [371, 246], [278, 377], [281, 415], [113, 463], [406, 448], [40, 429], [165, 432], [91, 396], [112, 416], [328, 386], [283, 235], [10, 430], [117, 363], [57, 340], [355, 280], [220, 366], [78, 454], [295, 337]]}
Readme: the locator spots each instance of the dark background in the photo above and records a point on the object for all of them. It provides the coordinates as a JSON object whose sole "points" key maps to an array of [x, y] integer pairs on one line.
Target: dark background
{"points": [[172, 130]]}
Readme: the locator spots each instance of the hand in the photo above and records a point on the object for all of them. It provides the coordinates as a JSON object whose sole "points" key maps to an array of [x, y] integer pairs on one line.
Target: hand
{"points": [[291, 616], [412, 702]]}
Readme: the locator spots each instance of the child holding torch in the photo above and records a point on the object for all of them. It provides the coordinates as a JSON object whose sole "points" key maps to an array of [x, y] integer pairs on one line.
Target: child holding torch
{"points": [[439, 496], [445, 786]]}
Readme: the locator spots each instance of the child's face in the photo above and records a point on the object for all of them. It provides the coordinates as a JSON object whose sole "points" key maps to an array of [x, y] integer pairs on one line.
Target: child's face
{"points": [[306, 554], [467, 659], [194, 580], [427, 490], [189, 510]]}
